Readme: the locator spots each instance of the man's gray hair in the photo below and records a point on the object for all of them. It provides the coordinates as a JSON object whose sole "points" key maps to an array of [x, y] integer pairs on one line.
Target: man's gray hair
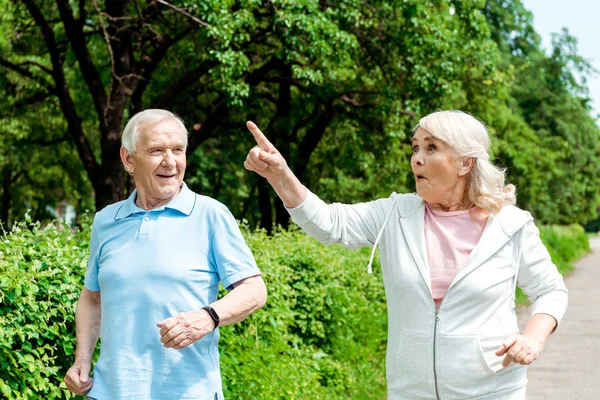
{"points": [[469, 137], [144, 118]]}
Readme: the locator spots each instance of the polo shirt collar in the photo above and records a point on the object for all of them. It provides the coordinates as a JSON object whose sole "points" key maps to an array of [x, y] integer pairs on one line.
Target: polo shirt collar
{"points": [[183, 202]]}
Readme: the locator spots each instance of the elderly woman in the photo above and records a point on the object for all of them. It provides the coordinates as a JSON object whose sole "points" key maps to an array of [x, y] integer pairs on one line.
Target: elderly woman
{"points": [[451, 257]]}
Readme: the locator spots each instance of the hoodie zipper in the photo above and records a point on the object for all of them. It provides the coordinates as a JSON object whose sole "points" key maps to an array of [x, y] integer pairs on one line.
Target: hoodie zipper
{"points": [[435, 381]]}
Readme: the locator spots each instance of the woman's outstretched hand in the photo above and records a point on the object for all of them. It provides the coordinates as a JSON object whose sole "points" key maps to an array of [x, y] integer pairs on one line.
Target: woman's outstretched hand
{"points": [[264, 159]]}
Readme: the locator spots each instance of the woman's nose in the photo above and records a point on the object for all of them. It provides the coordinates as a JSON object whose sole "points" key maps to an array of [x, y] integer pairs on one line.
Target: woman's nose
{"points": [[417, 159]]}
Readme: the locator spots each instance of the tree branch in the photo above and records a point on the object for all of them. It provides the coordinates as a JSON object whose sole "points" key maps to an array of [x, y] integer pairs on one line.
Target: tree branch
{"points": [[62, 91], [74, 30], [26, 73], [35, 98], [40, 66], [182, 11], [208, 127], [82, 12], [312, 138], [41, 142], [146, 69], [165, 100]]}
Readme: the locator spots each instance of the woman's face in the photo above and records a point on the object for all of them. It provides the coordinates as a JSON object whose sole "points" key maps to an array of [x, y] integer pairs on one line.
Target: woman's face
{"points": [[439, 177]]}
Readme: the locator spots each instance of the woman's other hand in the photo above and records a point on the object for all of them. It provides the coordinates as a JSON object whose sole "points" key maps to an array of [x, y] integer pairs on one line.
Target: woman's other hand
{"points": [[520, 349]]}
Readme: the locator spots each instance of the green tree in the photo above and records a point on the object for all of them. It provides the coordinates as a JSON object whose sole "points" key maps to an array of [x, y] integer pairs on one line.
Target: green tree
{"points": [[302, 69], [336, 86], [547, 135]]}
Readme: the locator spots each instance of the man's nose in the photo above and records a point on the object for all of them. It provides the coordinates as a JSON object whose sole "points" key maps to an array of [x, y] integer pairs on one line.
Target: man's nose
{"points": [[168, 158]]}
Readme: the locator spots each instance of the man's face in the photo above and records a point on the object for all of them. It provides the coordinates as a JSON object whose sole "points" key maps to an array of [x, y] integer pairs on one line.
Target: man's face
{"points": [[158, 164]]}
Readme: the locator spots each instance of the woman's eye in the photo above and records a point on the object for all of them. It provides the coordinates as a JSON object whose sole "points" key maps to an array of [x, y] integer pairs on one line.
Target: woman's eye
{"points": [[431, 147], [415, 149]]}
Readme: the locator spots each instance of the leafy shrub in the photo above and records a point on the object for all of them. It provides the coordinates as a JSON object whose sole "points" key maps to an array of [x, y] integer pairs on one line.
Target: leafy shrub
{"points": [[566, 244], [41, 273], [322, 334]]}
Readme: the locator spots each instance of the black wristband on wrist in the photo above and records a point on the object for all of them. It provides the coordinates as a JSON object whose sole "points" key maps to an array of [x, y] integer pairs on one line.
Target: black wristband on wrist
{"points": [[213, 315]]}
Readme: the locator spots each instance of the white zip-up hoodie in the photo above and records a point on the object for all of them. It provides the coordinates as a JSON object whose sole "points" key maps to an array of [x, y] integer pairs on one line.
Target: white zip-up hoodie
{"points": [[448, 353]]}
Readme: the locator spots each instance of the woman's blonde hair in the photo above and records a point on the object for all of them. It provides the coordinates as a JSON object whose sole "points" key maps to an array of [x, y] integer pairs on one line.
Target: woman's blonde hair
{"points": [[469, 137]]}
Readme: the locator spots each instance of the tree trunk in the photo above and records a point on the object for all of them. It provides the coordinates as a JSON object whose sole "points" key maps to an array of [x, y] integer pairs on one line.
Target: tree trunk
{"points": [[6, 195], [281, 130], [264, 204], [110, 188]]}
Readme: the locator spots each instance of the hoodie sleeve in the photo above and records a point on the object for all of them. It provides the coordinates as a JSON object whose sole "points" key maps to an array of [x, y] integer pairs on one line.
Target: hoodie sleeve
{"points": [[538, 276], [355, 225]]}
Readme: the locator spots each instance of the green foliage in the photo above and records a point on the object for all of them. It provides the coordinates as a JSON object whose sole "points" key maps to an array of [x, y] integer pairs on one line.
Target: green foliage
{"points": [[322, 334], [566, 244], [41, 271], [336, 86], [546, 134]]}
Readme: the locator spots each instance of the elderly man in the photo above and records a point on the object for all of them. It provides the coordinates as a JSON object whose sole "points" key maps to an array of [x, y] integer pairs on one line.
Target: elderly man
{"points": [[156, 260]]}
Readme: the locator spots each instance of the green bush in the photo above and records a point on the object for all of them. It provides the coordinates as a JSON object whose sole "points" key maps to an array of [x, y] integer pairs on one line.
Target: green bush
{"points": [[41, 273], [322, 334]]}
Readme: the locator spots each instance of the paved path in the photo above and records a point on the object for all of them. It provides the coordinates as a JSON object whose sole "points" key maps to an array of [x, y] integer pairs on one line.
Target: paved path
{"points": [[569, 367]]}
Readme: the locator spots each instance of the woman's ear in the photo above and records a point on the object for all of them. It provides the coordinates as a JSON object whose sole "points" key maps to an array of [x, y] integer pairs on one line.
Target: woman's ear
{"points": [[466, 165]]}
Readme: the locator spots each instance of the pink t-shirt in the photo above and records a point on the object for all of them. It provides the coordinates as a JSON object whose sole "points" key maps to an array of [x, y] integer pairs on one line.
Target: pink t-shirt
{"points": [[450, 237]]}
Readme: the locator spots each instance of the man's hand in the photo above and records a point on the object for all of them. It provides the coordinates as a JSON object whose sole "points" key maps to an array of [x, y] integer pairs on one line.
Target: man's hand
{"points": [[185, 328], [78, 378], [520, 349]]}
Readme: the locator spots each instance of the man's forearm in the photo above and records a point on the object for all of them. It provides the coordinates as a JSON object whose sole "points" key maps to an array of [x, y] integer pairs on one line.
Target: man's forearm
{"points": [[246, 297], [87, 323]]}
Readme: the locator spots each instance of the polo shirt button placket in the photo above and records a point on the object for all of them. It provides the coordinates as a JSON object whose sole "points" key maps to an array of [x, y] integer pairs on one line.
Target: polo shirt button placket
{"points": [[145, 227]]}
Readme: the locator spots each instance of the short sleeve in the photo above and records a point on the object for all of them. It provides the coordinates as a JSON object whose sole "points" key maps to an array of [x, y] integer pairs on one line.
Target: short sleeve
{"points": [[230, 254], [91, 275]]}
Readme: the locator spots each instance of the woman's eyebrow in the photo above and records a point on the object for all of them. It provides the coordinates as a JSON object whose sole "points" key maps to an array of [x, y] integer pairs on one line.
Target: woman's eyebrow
{"points": [[425, 139]]}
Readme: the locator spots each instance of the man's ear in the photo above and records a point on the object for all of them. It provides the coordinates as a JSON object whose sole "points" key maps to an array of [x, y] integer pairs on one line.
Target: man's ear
{"points": [[126, 159], [466, 165]]}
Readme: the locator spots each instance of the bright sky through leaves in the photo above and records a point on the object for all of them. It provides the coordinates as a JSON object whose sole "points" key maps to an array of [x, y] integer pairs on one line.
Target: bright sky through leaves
{"points": [[581, 18]]}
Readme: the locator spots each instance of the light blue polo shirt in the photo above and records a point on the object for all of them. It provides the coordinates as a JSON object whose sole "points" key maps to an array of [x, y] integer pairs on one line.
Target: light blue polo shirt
{"points": [[151, 265]]}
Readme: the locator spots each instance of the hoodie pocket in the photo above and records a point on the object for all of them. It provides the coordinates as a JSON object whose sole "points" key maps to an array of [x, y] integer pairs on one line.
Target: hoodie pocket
{"points": [[462, 370], [412, 368]]}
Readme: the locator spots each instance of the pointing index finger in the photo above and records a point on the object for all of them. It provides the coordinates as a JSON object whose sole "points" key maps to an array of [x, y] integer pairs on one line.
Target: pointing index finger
{"points": [[260, 138]]}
